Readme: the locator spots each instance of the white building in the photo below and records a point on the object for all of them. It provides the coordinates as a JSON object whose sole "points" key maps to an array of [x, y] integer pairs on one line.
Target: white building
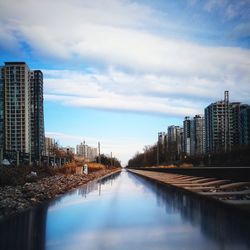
{"points": [[86, 151], [49, 145]]}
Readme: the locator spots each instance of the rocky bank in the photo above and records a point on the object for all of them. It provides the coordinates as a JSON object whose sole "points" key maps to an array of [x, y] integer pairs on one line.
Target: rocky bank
{"points": [[17, 198]]}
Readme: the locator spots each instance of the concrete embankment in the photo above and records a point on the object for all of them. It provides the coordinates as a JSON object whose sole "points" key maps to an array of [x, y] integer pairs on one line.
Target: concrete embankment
{"points": [[17, 198], [230, 173], [229, 192]]}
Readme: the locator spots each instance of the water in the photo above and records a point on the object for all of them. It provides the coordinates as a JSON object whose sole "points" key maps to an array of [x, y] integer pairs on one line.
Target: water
{"points": [[126, 212]]}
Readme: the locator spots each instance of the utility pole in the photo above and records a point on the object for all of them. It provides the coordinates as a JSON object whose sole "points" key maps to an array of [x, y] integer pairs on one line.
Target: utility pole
{"points": [[84, 150], [29, 159], [1, 155], [157, 154], [17, 158], [99, 152], [226, 122], [111, 159]]}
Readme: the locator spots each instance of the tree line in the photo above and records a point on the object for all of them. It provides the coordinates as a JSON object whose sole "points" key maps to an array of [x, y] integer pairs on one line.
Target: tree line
{"points": [[108, 161], [157, 155]]}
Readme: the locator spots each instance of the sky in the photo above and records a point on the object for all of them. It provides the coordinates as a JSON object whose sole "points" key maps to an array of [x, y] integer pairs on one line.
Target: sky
{"points": [[120, 71]]}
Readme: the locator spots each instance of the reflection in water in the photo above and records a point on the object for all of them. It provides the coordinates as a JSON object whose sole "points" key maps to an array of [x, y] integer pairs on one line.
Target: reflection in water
{"points": [[125, 211], [220, 223], [25, 231], [93, 186]]}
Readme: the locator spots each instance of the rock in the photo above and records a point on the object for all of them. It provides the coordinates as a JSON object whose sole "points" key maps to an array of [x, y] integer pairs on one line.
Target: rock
{"points": [[16, 198], [6, 162], [33, 199]]}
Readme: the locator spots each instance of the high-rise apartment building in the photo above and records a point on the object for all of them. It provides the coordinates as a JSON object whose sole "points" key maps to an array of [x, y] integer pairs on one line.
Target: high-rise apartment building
{"points": [[161, 138], [162, 142], [86, 151], [162, 146], [36, 112], [49, 146], [23, 108], [199, 134], [17, 106], [235, 108], [91, 153], [222, 124], [215, 127], [1, 108], [174, 141], [225, 126], [81, 149], [194, 135], [187, 135], [245, 125], [180, 144]]}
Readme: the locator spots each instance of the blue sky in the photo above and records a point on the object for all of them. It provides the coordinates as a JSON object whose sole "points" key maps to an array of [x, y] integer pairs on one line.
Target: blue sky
{"points": [[119, 71]]}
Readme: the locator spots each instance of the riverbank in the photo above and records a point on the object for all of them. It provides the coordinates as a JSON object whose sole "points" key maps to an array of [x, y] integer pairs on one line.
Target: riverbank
{"points": [[227, 192], [19, 197]]}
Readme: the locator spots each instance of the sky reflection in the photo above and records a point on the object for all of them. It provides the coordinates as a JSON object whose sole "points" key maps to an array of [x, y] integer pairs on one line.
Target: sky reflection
{"points": [[126, 212]]}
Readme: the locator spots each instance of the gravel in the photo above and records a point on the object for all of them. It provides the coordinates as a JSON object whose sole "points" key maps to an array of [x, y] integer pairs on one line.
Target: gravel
{"points": [[16, 198]]}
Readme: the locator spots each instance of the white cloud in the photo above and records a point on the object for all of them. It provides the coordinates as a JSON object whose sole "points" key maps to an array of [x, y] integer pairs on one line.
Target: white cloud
{"points": [[59, 28], [210, 5], [116, 90], [133, 237], [229, 9], [192, 2], [168, 94], [112, 32], [7, 40], [116, 33], [142, 69], [241, 31]]}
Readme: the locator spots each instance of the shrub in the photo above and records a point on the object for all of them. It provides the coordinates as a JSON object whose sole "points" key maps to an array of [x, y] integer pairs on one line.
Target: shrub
{"points": [[92, 167]]}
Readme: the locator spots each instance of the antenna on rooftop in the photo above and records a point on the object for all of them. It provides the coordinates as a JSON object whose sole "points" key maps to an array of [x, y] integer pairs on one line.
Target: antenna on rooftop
{"points": [[226, 96], [226, 122]]}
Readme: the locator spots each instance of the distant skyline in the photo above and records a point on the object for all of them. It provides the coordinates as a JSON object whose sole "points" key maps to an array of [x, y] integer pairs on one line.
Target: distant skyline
{"points": [[119, 71]]}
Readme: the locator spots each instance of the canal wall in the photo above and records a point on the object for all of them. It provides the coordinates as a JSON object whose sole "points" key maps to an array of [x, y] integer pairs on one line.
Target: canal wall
{"points": [[228, 194], [232, 173]]}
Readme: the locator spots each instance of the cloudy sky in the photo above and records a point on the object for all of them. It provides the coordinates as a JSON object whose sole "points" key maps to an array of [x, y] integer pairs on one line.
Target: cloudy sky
{"points": [[119, 71]]}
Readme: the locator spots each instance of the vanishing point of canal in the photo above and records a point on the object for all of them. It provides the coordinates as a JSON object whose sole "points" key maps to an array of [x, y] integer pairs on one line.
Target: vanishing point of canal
{"points": [[126, 212]]}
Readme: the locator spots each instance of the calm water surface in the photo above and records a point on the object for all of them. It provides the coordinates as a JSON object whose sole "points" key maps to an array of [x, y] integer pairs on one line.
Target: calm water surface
{"points": [[125, 212]]}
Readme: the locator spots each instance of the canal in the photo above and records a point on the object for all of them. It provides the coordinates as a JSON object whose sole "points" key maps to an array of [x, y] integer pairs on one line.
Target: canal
{"points": [[126, 212]]}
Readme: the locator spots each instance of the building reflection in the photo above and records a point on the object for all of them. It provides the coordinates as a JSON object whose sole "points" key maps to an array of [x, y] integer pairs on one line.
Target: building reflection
{"points": [[227, 225], [24, 231], [218, 223], [94, 186]]}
